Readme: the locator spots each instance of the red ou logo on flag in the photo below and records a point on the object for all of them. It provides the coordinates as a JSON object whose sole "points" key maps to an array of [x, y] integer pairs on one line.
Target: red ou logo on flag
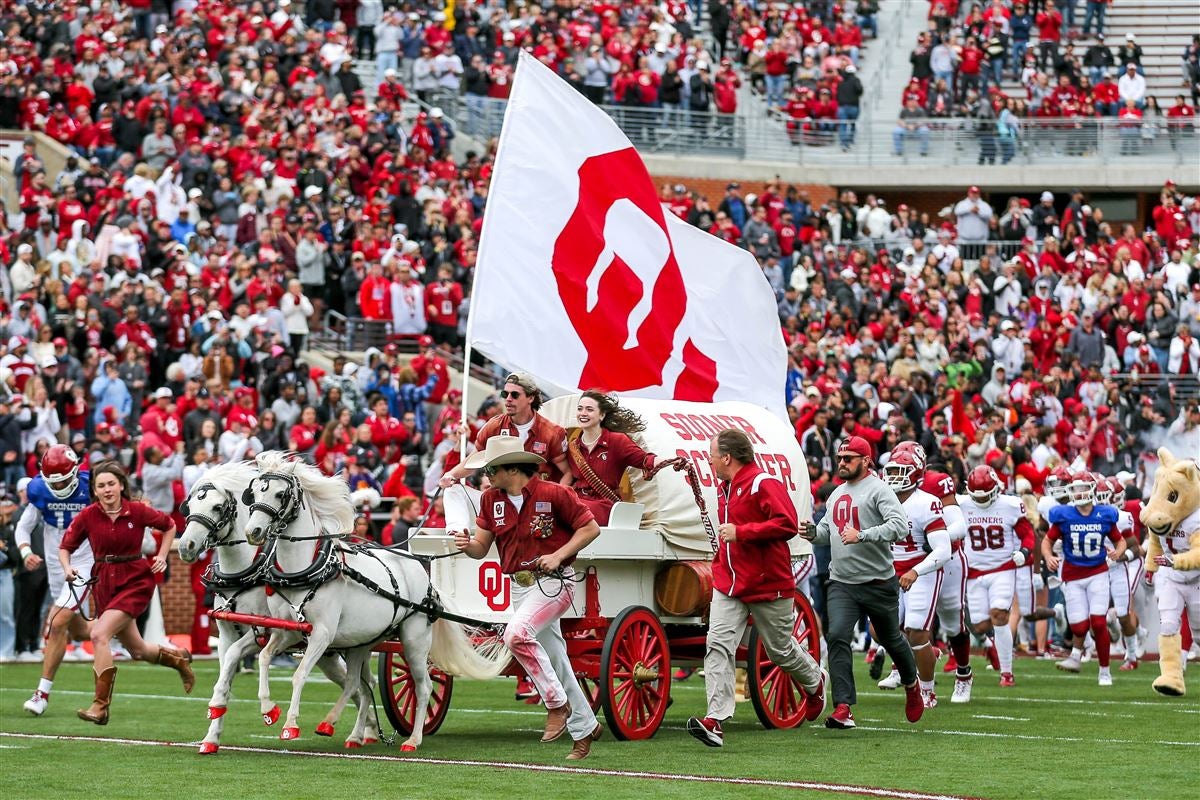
{"points": [[620, 282]]}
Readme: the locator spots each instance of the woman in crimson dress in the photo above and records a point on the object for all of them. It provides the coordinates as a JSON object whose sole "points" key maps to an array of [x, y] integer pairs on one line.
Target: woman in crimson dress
{"points": [[600, 450], [115, 526]]}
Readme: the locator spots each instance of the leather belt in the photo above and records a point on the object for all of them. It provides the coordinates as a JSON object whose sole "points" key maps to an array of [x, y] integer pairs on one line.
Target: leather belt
{"points": [[120, 559]]}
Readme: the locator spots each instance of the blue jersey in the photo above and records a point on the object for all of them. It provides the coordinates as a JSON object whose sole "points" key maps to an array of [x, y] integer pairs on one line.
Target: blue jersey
{"points": [[58, 513], [1083, 537]]}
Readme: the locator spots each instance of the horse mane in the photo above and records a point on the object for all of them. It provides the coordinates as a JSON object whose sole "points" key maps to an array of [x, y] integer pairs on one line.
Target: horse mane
{"points": [[231, 478], [329, 497]]}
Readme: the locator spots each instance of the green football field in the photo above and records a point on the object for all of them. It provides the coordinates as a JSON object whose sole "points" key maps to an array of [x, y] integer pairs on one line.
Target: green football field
{"points": [[1054, 735]]}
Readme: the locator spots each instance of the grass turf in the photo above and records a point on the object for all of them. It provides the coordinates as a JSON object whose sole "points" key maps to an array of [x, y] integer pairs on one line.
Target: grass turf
{"points": [[1053, 735]]}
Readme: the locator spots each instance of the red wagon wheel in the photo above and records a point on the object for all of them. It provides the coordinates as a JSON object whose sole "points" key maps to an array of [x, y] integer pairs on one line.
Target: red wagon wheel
{"points": [[591, 690], [635, 674], [399, 696], [777, 697]]}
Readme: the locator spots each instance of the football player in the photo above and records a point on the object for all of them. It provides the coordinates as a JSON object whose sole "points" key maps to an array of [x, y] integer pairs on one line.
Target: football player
{"points": [[999, 543], [918, 559], [1083, 528], [56, 495], [952, 598]]}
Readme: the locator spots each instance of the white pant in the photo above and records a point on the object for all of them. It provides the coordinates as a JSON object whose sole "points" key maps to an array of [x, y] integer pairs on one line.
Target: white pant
{"points": [[1173, 597], [991, 592], [1085, 598], [802, 570], [1123, 579], [1023, 589], [952, 598], [64, 595], [535, 638], [919, 603]]}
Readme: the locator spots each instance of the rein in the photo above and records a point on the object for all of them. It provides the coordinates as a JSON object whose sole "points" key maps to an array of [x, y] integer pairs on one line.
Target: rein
{"points": [[688, 469]]}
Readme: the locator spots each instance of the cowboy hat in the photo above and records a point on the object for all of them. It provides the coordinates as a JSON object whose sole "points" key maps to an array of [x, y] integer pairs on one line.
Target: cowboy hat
{"points": [[500, 452]]}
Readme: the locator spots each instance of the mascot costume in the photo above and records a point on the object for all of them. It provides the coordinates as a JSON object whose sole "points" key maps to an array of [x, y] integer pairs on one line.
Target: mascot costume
{"points": [[1172, 520]]}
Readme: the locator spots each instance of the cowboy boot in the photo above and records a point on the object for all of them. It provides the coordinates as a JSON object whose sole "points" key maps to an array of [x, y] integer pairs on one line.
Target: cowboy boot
{"points": [[97, 712], [181, 662]]}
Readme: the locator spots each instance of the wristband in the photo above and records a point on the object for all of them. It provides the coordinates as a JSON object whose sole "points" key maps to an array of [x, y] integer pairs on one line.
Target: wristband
{"points": [[1128, 555], [26, 551]]}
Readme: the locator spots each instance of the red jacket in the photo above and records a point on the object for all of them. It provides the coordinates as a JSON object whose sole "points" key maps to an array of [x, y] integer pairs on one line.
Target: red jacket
{"points": [[758, 565]]}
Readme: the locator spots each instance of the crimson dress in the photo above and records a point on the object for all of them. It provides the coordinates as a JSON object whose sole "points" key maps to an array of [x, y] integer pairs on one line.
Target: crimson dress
{"points": [[126, 586], [612, 454]]}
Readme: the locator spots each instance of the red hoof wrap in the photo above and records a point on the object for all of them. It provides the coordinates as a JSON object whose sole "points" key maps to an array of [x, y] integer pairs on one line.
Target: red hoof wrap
{"points": [[353, 745], [216, 712], [272, 716], [324, 729], [208, 748], [289, 733], [408, 748], [369, 740]]}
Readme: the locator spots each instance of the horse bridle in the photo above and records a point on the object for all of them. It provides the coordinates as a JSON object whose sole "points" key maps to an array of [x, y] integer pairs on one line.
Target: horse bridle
{"points": [[225, 514], [291, 500]]}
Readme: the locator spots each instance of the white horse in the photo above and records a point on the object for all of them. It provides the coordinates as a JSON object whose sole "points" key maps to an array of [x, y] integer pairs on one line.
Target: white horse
{"points": [[302, 510], [214, 512]]}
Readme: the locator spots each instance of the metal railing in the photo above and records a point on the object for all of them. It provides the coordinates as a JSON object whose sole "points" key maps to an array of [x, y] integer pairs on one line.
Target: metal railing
{"points": [[871, 142]]}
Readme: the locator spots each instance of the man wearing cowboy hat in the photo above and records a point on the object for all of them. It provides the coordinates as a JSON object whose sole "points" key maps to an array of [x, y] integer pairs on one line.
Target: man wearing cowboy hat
{"points": [[538, 528]]}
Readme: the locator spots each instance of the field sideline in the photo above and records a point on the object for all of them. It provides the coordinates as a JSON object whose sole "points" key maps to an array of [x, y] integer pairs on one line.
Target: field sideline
{"points": [[1054, 735]]}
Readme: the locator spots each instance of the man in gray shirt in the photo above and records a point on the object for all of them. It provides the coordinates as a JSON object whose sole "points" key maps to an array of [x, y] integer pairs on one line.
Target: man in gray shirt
{"points": [[864, 517]]}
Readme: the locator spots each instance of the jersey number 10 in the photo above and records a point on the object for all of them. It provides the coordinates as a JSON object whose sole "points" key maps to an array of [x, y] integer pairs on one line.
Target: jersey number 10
{"points": [[1087, 544]]}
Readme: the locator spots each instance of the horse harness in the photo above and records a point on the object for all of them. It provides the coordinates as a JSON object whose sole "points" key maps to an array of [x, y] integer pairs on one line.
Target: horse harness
{"points": [[213, 579]]}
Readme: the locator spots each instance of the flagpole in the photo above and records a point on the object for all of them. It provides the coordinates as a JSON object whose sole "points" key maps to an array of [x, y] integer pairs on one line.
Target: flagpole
{"points": [[467, 348]]}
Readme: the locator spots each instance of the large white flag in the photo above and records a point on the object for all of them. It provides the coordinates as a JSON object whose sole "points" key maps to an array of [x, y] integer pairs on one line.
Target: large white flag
{"points": [[586, 282]]}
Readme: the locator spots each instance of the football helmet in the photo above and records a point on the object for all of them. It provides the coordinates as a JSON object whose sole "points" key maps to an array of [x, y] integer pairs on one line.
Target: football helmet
{"points": [[1058, 482], [1118, 492], [1082, 490], [904, 471], [60, 471], [984, 486], [1103, 491]]}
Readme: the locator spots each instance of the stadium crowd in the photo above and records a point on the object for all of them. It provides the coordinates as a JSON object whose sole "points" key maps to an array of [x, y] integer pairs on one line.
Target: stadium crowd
{"points": [[961, 64], [229, 183]]}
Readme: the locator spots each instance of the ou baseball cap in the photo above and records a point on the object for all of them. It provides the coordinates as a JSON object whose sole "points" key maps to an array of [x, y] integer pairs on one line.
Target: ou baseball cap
{"points": [[855, 446], [425, 341], [163, 392]]}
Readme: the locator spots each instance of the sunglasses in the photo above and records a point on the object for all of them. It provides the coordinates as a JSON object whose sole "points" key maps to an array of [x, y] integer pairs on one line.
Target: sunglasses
{"points": [[513, 395], [848, 458]]}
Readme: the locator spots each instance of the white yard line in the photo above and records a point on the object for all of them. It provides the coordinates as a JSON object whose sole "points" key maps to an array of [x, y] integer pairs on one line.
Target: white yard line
{"points": [[996, 716], [840, 788]]}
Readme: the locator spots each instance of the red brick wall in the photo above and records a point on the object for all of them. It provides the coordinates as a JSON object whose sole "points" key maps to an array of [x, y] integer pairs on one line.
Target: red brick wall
{"points": [[177, 600], [714, 188]]}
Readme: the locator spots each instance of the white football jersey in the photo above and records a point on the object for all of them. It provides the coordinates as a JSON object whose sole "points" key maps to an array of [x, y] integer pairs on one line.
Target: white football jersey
{"points": [[924, 512], [1045, 503], [992, 536]]}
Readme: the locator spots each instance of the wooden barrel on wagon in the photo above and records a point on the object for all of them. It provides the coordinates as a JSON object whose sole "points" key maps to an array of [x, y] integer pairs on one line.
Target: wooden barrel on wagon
{"points": [[684, 589]]}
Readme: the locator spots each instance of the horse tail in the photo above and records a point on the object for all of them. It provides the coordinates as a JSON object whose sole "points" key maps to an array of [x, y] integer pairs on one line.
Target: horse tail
{"points": [[454, 651]]}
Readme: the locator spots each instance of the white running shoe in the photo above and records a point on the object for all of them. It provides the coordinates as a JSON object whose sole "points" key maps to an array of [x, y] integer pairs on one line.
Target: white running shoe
{"points": [[1089, 653], [1060, 619], [892, 681], [928, 699], [119, 653], [36, 705], [83, 655], [71, 654], [1141, 646], [29, 657], [1105, 677], [1069, 664], [962, 690], [1194, 653]]}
